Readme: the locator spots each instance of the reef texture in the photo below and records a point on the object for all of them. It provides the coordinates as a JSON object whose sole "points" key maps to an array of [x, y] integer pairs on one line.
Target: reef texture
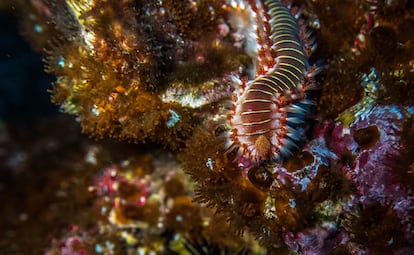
{"points": [[171, 74]]}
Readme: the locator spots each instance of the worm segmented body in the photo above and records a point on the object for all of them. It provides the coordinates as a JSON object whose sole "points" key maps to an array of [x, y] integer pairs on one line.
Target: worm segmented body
{"points": [[269, 110]]}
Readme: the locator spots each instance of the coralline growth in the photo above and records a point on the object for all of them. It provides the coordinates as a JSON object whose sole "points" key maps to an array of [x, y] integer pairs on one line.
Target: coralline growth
{"points": [[166, 72]]}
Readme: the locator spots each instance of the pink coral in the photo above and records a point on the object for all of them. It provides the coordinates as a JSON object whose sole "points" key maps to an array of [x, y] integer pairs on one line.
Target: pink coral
{"points": [[373, 169], [317, 241], [73, 246]]}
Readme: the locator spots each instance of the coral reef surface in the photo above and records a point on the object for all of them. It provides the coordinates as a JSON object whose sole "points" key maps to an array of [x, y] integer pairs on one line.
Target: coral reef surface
{"points": [[220, 127]]}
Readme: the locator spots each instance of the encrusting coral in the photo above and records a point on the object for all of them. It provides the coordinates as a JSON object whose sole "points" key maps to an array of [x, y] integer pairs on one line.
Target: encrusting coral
{"points": [[166, 72]]}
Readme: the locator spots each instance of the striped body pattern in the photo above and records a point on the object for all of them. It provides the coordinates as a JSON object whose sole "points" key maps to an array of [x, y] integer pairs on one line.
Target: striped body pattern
{"points": [[268, 111]]}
